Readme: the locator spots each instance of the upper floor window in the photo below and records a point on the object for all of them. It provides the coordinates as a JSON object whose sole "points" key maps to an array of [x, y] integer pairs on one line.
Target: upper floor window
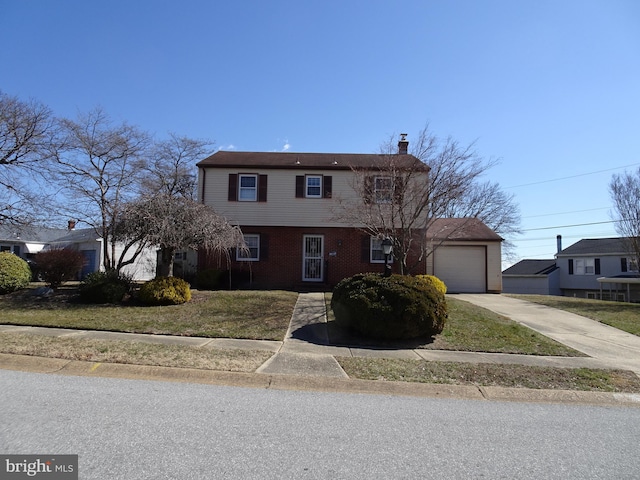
{"points": [[383, 189], [313, 188], [629, 264], [248, 191], [247, 187], [584, 266]]}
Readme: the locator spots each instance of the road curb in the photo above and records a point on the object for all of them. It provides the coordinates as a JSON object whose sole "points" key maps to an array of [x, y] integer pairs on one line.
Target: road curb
{"points": [[44, 365]]}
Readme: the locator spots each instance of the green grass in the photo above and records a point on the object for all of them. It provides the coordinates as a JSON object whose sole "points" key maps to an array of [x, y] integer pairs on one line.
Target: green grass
{"points": [[263, 315], [475, 329], [623, 316], [486, 374], [133, 353]]}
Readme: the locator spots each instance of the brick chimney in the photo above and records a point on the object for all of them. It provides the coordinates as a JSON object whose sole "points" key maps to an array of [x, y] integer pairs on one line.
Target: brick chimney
{"points": [[403, 144], [71, 225]]}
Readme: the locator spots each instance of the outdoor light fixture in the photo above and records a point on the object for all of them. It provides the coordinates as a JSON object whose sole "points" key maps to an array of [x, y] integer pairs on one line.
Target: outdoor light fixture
{"points": [[387, 248]]}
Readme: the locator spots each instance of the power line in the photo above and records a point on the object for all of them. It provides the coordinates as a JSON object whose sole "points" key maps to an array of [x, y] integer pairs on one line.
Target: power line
{"points": [[569, 226], [566, 213], [572, 176]]}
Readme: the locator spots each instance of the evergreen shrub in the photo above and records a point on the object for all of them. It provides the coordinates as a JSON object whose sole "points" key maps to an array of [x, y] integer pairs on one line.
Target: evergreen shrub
{"points": [[14, 273], [104, 287], [397, 307], [165, 291]]}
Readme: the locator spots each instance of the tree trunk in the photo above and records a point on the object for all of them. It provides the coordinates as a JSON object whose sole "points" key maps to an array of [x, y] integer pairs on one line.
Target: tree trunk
{"points": [[165, 268]]}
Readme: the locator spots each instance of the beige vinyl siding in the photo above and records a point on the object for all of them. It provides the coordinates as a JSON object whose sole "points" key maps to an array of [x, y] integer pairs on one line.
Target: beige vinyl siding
{"points": [[282, 208]]}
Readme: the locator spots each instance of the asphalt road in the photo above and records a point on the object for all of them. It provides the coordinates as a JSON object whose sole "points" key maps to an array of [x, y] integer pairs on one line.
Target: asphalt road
{"points": [[133, 429]]}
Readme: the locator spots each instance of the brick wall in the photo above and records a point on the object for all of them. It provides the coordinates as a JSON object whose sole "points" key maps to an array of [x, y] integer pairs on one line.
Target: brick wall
{"points": [[346, 253]]}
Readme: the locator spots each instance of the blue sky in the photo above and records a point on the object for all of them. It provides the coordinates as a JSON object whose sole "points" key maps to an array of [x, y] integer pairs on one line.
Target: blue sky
{"points": [[550, 88]]}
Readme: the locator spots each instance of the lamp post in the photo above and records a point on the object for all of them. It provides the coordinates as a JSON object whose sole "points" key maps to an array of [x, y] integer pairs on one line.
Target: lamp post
{"points": [[387, 248]]}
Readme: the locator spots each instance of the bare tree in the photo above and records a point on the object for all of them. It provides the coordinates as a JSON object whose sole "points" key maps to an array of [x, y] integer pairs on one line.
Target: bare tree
{"points": [[407, 191], [171, 166], [174, 223], [27, 132], [96, 165], [624, 189]]}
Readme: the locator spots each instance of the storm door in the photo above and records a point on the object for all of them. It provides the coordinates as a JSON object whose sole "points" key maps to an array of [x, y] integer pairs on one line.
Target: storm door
{"points": [[312, 258]]}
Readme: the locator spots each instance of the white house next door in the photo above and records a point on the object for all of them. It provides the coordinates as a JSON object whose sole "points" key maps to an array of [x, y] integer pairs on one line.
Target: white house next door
{"points": [[312, 258]]}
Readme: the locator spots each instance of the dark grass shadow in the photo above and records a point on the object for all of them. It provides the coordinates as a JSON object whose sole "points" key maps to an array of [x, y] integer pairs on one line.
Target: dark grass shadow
{"points": [[331, 334]]}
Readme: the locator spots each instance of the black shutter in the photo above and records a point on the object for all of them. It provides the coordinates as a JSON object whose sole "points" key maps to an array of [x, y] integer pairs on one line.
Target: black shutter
{"points": [[597, 266], [623, 264], [368, 190], [398, 190], [233, 187], [262, 188], [327, 186], [299, 186], [571, 266], [264, 246], [365, 249]]}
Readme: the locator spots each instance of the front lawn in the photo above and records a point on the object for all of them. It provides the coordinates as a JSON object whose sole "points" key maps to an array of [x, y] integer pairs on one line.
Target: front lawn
{"points": [[473, 329], [262, 315]]}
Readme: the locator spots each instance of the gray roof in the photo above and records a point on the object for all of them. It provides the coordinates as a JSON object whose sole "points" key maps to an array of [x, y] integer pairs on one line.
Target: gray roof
{"points": [[316, 161], [597, 246], [30, 234], [532, 267]]}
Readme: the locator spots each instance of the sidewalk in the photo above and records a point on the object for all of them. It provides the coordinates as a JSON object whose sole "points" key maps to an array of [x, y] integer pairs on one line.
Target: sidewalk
{"points": [[307, 350]]}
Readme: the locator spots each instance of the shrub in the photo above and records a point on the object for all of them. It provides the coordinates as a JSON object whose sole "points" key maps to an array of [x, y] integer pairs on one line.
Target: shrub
{"points": [[14, 273], [104, 287], [165, 291], [59, 265], [391, 308], [434, 281]]}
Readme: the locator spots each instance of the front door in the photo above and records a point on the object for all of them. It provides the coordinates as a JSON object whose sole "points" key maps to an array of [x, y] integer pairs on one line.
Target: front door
{"points": [[313, 258]]}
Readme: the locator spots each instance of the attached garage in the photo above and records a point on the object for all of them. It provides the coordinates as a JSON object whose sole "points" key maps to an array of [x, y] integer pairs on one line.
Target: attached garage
{"points": [[466, 255], [463, 269]]}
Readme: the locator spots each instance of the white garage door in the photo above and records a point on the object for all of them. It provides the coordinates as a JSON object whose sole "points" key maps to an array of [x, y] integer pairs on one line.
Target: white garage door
{"points": [[462, 269]]}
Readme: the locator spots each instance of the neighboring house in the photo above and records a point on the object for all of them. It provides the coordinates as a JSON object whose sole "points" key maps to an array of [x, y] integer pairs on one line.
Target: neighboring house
{"points": [[601, 268], [285, 204], [534, 277], [27, 241]]}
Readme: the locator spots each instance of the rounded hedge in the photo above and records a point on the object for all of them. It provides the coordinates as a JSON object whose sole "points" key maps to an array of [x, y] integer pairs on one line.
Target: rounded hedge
{"points": [[104, 287], [165, 291], [397, 307], [14, 273], [434, 281]]}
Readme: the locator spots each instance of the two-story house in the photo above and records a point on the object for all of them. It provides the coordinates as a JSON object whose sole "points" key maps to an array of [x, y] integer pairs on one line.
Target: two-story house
{"points": [[286, 206], [599, 268]]}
